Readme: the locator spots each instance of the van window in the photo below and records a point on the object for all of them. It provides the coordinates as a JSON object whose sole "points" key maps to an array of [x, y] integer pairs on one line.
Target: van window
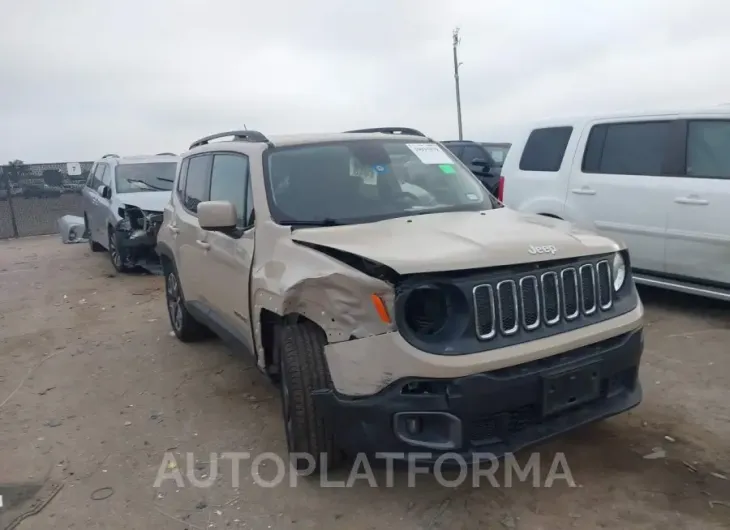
{"points": [[545, 148], [636, 148], [708, 149]]}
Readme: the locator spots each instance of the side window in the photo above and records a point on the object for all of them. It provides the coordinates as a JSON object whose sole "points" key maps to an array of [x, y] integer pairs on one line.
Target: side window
{"points": [[471, 152], [545, 148], [455, 148], [250, 212], [181, 178], [708, 149], [98, 174], [627, 148], [90, 178], [106, 176], [196, 182], [229, 182]]}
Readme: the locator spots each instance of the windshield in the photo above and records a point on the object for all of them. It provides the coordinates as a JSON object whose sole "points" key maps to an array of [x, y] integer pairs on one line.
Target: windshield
{"points": [[367, 180], [497, 152], [147, 176]]}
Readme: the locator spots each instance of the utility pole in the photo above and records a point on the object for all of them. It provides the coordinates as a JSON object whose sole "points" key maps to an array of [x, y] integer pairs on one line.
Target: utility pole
{"points": [[457, 64]]}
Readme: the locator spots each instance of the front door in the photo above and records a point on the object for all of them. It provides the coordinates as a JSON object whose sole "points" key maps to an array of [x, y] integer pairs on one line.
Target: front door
{"points": [[618, 188], [698, 227], [230, 255]]}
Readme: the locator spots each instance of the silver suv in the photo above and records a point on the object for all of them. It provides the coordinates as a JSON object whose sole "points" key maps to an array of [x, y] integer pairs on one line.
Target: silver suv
{"points": [[397, 320], [123, 201]]}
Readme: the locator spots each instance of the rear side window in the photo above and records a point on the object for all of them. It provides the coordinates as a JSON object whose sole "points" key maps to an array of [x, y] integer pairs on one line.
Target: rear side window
{"points": [[545, 149], [472, 152], [708, 149], [196, 182], [636, 148]]}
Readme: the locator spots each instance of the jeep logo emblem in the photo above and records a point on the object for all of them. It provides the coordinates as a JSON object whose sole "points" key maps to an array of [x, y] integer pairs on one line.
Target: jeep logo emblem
{"points": [[545, 249]]}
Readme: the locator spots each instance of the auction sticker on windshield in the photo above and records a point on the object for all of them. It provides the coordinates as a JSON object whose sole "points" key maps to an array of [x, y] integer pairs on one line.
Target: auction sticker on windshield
{"points": [[430, 153]]}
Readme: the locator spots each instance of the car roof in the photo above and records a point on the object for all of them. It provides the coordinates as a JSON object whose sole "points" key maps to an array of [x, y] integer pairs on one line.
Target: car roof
{"points": [[718, 110], [140, 159], [301, 139]]}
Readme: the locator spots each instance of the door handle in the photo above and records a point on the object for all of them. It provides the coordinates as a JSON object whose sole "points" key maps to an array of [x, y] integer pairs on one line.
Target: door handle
{"points": [[174, 229], [583, 191], [692, 200], [203, 244]]}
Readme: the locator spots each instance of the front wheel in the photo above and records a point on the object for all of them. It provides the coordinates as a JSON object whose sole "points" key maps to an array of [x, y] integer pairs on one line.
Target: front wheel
{"points": [[116, 255], [304, 370]]}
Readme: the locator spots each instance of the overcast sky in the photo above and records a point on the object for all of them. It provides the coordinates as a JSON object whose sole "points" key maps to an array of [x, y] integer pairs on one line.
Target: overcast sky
{"points": [[80, 78]]}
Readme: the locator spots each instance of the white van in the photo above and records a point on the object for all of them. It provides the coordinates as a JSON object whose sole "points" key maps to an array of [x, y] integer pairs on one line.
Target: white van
{"points": [[660, 182]]}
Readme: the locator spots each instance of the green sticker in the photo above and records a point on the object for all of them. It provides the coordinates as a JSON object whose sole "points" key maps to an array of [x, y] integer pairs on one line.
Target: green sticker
{"points": [[447, 168]]}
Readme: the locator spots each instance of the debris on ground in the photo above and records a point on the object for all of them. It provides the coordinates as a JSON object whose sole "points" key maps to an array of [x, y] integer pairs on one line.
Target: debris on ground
{"points": [[656, 454], [72, 229]]}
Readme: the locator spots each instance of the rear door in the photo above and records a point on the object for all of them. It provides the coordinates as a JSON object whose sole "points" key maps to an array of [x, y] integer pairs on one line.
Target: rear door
{"points": [[225, 284], [698, 225], [619, 186], [191, 249]]}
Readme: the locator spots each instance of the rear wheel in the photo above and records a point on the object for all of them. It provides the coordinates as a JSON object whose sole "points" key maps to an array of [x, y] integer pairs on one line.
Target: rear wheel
{"points": [[184, 325], [93, 245], [304, 370]]}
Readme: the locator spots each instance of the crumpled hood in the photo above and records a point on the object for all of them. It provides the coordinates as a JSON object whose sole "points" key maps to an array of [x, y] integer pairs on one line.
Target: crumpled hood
{"points": [[459, 240], [154, 201]]}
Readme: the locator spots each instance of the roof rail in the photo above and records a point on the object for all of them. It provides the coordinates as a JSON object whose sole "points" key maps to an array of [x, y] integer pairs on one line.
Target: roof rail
{"points": [[110, 155], [165, 154], [390, 130], [238, 136]]}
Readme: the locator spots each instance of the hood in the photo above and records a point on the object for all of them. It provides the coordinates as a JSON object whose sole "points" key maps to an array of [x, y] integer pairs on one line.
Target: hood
{"points": [[154, 201], [460, 240]]}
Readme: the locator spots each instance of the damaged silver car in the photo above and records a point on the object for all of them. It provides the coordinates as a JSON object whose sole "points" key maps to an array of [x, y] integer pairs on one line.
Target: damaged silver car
{"points": [[123, 202]]}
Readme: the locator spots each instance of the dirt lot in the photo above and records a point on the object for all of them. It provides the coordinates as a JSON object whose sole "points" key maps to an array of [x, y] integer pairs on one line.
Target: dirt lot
{"points": [[115, 391]]}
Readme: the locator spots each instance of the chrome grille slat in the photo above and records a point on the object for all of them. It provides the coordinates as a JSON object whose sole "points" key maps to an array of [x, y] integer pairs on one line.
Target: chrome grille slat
{"points": [[530, 301], [509, 284], [588, 273], [489, 293], [548, 295], [534, 292], [564, 274], [603, 271]]}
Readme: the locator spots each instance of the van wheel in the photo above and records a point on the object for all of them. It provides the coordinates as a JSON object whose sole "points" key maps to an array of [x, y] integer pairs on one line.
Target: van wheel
{"points": [[304, 370], [184, 325], [93, 245]]}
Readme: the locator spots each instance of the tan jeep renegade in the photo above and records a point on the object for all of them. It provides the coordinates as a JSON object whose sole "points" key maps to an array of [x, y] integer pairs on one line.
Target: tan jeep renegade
{"points": [[400, 307]]}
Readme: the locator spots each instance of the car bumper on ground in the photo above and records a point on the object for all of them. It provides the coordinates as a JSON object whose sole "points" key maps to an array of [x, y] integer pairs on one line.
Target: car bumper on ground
{"points": [[495, 412]]}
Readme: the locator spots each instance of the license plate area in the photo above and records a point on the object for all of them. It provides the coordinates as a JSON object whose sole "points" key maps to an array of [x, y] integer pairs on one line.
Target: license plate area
{"points": [[570, 388]]}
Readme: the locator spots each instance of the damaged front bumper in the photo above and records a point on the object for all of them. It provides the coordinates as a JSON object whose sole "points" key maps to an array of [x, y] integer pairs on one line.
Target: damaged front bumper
{"points": [[495, 412], [136, 238]]}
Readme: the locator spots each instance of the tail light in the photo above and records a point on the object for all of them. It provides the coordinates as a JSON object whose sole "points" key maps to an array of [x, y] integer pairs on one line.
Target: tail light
{"points": [[500, 189]]}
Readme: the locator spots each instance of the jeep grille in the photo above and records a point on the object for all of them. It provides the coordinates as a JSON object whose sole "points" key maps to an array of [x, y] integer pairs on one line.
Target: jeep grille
{"points": [[536, 300]]}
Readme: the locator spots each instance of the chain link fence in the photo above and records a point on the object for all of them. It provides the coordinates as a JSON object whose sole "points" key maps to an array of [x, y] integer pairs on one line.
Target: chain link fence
{"points": [[34, 196]]}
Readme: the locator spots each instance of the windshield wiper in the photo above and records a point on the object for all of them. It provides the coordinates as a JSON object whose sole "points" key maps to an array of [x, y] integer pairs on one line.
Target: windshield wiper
{"points": [[165, 179], [147, 184], [327, 221]]}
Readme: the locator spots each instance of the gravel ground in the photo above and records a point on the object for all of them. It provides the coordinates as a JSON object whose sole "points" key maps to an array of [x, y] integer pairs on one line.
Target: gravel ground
{"points": [[115, 392]]}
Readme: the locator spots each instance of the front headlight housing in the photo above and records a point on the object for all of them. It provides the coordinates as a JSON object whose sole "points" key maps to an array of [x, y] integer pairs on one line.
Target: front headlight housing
{"points": [[618, 271]]}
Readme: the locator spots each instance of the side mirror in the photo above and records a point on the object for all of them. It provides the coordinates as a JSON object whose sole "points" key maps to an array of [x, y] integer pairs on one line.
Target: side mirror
{"points": [[217, 215], [480, 162], [104, 191]]}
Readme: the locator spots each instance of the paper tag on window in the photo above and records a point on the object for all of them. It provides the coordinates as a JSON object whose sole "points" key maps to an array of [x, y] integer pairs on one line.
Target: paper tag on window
{"points": [[430, 153]]}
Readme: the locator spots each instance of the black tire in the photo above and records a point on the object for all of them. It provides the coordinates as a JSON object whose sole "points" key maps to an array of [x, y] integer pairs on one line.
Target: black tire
{"points": [[116, 256], [184, 325], [304, 370], [93, 245]]}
